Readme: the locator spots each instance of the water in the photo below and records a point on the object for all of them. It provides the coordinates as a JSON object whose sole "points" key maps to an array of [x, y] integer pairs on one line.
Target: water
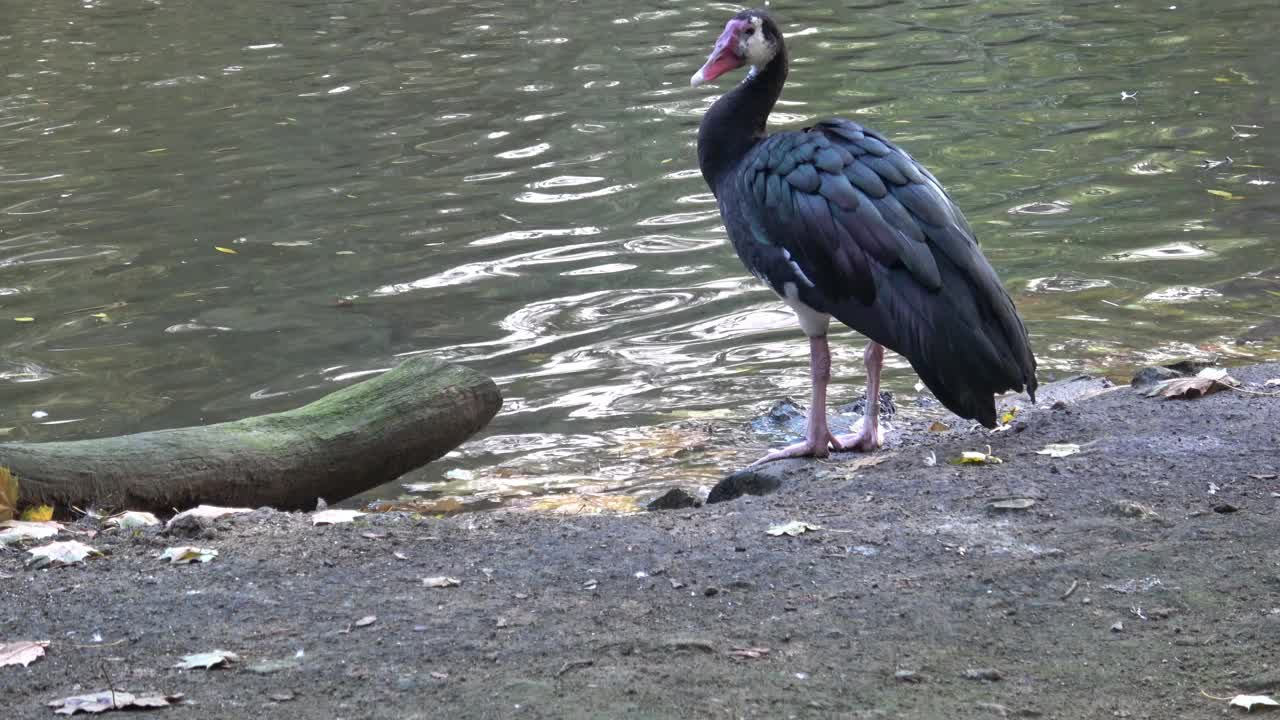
{"points": [[514, 186]]}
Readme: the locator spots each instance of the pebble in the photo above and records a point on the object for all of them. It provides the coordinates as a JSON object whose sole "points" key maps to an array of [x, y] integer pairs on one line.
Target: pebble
{"points": [[908, 676], [985, 674]]}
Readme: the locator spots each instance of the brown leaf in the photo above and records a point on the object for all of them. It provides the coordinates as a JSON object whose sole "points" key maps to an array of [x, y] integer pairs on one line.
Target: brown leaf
{"points": [[23, 652], [1192, 387], [866, 461]]}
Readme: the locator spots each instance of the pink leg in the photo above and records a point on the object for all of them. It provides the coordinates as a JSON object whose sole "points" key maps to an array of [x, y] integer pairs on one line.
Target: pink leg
{"points": [[868, 436], [817, 437]]}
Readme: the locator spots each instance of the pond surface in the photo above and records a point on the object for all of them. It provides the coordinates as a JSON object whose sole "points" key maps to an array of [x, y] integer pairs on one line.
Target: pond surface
{"points": [[212, 210]]}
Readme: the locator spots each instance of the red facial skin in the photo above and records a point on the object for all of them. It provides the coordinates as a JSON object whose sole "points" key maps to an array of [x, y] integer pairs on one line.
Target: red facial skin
{"points": [[725, 55]]}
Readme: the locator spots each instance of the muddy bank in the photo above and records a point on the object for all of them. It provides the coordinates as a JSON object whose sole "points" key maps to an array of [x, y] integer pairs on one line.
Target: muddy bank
{"points": [[1140, 570]]}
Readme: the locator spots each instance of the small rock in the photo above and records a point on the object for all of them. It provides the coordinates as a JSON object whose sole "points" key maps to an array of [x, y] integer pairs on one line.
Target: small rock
{"points": [[711, 591], [1269, 330], [996, 708], [1129, 508], [908, 676], [744, 482], [984, 674], [1117, 627], [1154, 375], [192, 526], [1191, 366], [674, 499], [888, 409], [285, 696], [1225, 508]]}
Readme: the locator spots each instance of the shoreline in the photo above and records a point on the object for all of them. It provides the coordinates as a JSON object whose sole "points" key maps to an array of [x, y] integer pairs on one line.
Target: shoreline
{"points": [[1143, 570]]}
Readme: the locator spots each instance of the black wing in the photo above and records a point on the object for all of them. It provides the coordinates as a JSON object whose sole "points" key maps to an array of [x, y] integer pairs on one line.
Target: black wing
{"points": [[863, 232]]}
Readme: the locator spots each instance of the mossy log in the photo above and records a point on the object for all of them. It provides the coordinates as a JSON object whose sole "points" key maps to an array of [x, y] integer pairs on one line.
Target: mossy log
{"points": [[347, 442]]}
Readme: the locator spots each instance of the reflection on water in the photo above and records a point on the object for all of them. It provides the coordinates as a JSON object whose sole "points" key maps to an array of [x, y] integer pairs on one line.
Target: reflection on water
{"points": [[213, 210]]}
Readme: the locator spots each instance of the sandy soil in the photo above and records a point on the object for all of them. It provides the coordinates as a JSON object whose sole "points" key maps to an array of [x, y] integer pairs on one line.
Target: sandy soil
{"points": [[1146, 571]]}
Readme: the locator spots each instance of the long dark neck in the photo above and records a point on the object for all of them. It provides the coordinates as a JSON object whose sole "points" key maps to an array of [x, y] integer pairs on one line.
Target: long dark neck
{"points": [[736, 122]]}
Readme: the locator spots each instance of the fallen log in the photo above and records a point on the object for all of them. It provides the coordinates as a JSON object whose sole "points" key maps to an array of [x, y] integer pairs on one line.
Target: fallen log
{"points": [[347, 442]]}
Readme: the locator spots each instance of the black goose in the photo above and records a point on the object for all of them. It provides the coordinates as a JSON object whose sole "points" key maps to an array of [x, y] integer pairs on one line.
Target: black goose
{"points": [[842, 223]]}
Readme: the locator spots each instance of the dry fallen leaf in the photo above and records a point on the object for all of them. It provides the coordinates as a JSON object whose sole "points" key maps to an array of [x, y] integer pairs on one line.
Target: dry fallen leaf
{"points": [[226, 250], [8, 494], [976, 457], [1059, 450], [1209, 381], [441, 582], [793, 528], [586, 504], [1012, 504], [938, 426], [23, 652], [12, 531], [132, 519], [104, 700], [211, 659], [205, 511], [367, 620], [1249, 701], [866, 461], [187, 554], [68, 552], [333, 517], [750, 652], [37, 513]]}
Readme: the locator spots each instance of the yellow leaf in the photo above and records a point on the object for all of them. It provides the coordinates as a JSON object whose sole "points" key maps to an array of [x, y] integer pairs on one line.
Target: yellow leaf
{"points": [[1225, 195], [38, 513], [977, 457], [8, 494], [226, 250], [1007, 418], [100, 316], [24, 319]]}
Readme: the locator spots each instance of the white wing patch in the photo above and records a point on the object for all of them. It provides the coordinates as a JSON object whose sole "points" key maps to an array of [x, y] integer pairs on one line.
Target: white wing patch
{"points": [[795, 267], [812, 322]]}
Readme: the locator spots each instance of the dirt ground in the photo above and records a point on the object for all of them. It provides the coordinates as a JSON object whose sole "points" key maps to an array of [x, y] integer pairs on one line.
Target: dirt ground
{"points": [[1146, 571]]}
